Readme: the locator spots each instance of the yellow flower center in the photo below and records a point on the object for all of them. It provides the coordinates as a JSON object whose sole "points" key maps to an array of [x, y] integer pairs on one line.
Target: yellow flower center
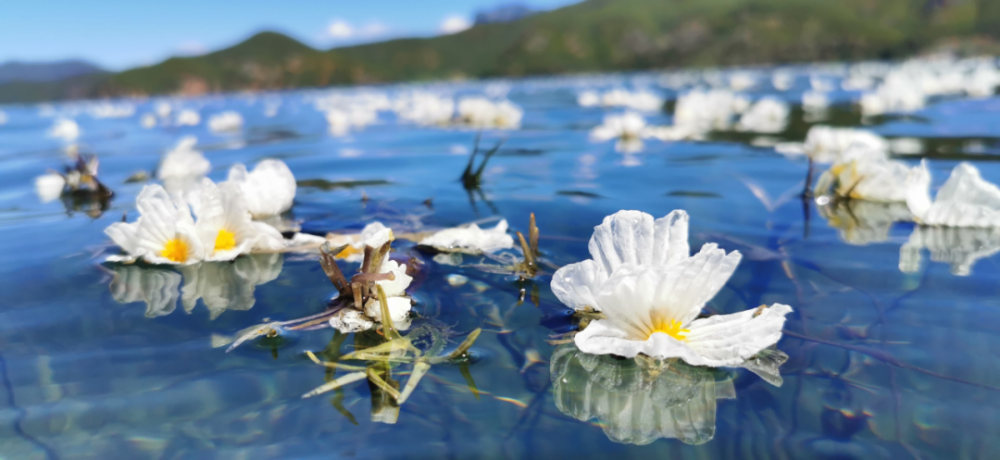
{"points": [[225, 241], [348, 252], [176, 250], [673, 329]]}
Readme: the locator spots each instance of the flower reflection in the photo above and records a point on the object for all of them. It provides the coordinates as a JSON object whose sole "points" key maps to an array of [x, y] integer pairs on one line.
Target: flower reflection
{"points": [[637, 401], [220, 285], [863, 222], [228, 286], [959, 247], [157, 287]]}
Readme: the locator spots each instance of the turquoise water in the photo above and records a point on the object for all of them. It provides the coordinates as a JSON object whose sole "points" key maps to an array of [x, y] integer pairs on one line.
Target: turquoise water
{"points": [[881, 363]]}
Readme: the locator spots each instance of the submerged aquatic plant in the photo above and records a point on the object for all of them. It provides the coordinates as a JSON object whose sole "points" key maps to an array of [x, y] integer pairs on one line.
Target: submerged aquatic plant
{"points": [[651, 292]]}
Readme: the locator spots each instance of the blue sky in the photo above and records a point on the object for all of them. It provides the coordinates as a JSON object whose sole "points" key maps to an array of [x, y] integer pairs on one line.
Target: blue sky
{"points": [[118, 34]]}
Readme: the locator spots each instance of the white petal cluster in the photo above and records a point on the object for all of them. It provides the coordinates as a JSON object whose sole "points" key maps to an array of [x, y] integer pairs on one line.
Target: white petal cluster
{"points": [[268, 190], [640, 100], [480, 112], [768, 115], [110, 110], [183, 161], [471, 239], [425, 108], [164, 233], [49, 187], [652, 292], [965, 199], [342, 121], [872, 178], [399, 304], [225, 122], [188, 117], [375, 234], [826, 144], [629, 129], [709, 110], [65, 129]]}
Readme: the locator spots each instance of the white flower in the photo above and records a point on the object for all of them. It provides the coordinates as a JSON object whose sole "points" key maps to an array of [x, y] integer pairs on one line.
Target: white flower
{"points": [[163, 234], [768, 115], [3, 117], [225, 226], [374, 233], [479, 112], [471, 239], [959, 247], [342, 121], [588, 99], [825, 144], [188, 117], [642, 101], [628, 125], [268, 190], [352, 320], [183, 161], [866, 178], [227, 121], [965, 200], [425, 108], [642, 278], [147, 120], [704, 111], [50, 186], [65, 129]]}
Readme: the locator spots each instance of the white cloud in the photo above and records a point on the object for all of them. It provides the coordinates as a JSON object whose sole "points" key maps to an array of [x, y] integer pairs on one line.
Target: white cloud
{"points": [[191, 48], [454, 23], [340, 29]]}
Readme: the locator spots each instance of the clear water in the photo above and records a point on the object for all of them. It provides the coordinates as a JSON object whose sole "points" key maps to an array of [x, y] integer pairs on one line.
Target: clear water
{"points": [[882, 364]]}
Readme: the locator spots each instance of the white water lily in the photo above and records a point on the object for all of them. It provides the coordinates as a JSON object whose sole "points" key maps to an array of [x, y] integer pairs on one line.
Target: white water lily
{"points": [[768, 115], [958, 247], [342, 121], [641, 100], [651, 290], [188, 117], [268, 190], [164, 233], [479, 112], [225, 226], [825, 144], [471, 239], [425, 108], [228, 121], [147, 120], [865, 178], [965, 199], [704, 111], [65, 129], [49, 187], [183, 161]]}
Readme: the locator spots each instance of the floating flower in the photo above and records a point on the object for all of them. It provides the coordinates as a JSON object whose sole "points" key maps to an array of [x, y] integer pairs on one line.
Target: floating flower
{"points": [[228, 121], [768, 115], [268, 190], [343, 121], [164, 233], [65, 129], [49, 187], [425, 108], [471, 239], [225, 226], [865, 178], [965, 199], [704, 111], [825, 144], [183, 161], [479, 112], [651, 290], [188, 117], [641, 100]]}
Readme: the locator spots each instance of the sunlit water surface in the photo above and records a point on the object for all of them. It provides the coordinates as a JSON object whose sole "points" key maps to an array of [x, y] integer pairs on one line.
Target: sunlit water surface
{"points": [[882, 364]]}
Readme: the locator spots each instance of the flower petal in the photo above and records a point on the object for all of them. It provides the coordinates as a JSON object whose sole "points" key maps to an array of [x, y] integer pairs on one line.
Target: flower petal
{"points": [[633, 237], [728, 340], [576, 284], [601, 338]]}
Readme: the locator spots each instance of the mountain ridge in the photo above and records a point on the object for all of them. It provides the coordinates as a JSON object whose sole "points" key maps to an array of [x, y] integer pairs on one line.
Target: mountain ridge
{"points": [[594, 35]]}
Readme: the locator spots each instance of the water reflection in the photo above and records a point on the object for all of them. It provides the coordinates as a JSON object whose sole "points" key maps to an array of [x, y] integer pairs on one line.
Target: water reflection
{"points": [[959, 247], [220, 285], [637, 401], [863, 222]]}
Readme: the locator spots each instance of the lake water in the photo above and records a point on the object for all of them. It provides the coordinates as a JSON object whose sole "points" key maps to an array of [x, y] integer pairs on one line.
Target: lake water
{"points": [[881, 363]]}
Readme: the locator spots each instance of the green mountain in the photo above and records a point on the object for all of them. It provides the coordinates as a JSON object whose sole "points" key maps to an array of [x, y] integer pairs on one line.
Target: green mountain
{"points": [[594, 35]]}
